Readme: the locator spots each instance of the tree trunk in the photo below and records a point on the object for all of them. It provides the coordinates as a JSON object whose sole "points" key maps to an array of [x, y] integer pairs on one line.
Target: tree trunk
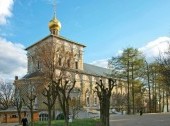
{"points": [[167, 102], [104, 97], [128, 93], [163, 99], [66, 121], [19, 117], [67, 113], [148, 77], [49, 117], [54, 112], [159, 95], [32, 118], [133, 92], [107, 112]]}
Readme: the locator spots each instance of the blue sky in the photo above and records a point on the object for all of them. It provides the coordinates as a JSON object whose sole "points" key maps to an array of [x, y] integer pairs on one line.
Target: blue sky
{"points": [[104, 26]]}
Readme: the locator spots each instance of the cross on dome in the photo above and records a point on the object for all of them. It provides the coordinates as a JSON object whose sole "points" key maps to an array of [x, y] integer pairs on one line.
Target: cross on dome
{"points": [[54, 25]]}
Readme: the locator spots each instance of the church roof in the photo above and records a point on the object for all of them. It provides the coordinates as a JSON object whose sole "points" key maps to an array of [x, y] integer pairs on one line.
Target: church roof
{"points": [[34, 74], [60, 37], [14, 110], [88, 69], [96, 70]]}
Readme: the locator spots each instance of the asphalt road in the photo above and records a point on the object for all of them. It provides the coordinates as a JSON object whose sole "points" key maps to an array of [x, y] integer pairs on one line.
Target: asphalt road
{"points": [[158, 119]]}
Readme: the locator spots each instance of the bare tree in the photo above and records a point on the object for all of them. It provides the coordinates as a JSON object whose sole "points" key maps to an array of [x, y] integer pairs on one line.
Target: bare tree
{"points": [[6, 94], [104, 94], [75, 103], [119, 101], [30, 98], [18, 103], [163, 62], [50, 93], [65, 87]]}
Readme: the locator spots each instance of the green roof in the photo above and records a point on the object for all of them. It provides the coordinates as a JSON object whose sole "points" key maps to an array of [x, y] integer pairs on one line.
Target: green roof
{"points": [[96, 70], [34, 74], [88, 69]]}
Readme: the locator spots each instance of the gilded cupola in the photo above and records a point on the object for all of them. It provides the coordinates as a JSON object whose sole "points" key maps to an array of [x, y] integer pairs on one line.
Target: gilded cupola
{"points": [[54, 26]]}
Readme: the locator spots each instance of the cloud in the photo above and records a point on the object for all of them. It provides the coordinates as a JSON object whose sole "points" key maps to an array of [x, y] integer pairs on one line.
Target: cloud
{"points": [[5, 10], [13, 60], [151, 50], [154, 48], [101, 63]]}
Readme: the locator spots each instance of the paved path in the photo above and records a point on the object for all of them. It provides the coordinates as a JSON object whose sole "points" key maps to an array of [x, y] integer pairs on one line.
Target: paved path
{"points": [[137, 120], [133, 120], [8, 124]]}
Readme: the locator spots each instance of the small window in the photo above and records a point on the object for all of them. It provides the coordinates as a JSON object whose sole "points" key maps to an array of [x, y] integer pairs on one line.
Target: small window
{"points": [[95, 100], [88, 101], [59, 61], [13, 116], [53, 32], [68, 63], [43, 117], [38, 64], [76, 65]]}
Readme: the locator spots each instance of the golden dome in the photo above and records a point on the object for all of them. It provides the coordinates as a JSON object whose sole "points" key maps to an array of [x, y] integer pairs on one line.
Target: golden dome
{"points": [[54, 24]]}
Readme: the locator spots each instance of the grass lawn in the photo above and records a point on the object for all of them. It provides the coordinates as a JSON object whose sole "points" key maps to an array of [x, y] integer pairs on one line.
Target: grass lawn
{"points": [[78, 122]]}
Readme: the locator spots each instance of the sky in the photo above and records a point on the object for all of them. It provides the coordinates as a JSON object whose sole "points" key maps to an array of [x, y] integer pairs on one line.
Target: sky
{"points": [[106, 27]]}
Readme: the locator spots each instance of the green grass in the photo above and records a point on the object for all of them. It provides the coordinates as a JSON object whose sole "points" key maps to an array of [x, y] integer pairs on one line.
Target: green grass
{"points": [[78, 122]]}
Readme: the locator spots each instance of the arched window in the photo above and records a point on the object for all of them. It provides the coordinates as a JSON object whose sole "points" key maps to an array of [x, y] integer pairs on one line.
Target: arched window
{"points": [[76, 65], [36, 103], [43, 116], [59, 61], [95, 100], [68, 63], [38, 65], [87, 101], [87, 97]]}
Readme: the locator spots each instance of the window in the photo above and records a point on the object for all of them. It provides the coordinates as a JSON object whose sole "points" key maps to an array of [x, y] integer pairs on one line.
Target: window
{"points": [[59, 61], [43, 117], [88, 101], [53, 32], [95, 100], [76, 65], [38, 64], [13, 116], [68, 63], [36, 103]]}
